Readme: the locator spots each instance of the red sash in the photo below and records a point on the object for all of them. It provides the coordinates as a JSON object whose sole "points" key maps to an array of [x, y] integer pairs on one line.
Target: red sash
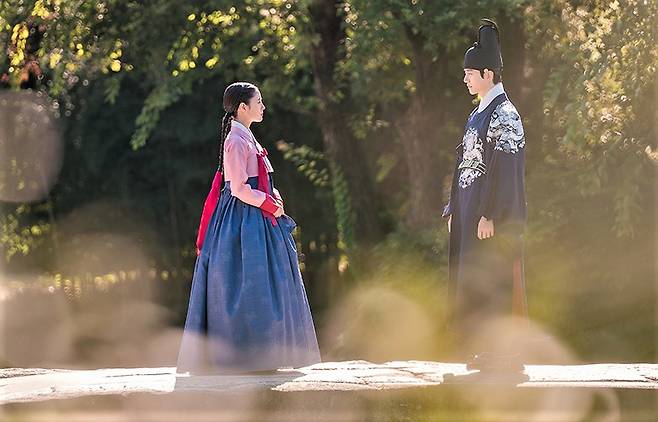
{"points": [[208, 209], [264, 182]]}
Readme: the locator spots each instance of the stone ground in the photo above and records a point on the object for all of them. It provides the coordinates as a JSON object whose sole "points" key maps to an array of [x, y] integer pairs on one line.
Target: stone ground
{"points": [[334, 391], [26, 385]]}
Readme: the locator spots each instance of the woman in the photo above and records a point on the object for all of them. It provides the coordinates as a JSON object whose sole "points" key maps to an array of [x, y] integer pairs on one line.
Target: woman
{"points": [[248, 309]]}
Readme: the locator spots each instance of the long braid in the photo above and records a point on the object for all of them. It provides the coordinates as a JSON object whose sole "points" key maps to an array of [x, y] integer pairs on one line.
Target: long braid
{"points": [[223, 134]]}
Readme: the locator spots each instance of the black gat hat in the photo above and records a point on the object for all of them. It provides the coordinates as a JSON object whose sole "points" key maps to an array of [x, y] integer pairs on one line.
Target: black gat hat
{"points": [[485, 52]]}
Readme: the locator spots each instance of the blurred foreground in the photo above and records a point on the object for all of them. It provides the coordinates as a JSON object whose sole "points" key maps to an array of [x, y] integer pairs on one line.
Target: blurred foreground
{"points": [[341, 391]]}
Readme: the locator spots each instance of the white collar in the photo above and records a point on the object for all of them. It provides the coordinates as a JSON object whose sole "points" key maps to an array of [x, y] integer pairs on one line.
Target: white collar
{"points": [[495, 91]]}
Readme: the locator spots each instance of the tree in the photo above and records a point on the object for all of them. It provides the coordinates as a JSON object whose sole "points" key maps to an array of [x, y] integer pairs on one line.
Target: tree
{"points": [[356, 203], [602, 59]]}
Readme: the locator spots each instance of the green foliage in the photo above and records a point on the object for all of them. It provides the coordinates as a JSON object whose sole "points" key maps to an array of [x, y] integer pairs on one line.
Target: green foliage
{"points": [[162, 96], [309, 162], [254, 35], [313, 165], [387, 35], [603, 67], [58, 40], [19, 235], [343, 205]]}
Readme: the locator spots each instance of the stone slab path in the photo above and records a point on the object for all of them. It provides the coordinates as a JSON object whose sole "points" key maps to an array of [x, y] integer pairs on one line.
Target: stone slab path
{"points": [[37, 384]]}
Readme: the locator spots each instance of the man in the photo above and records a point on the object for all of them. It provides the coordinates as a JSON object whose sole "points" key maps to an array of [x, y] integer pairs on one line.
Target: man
{"points": [[487, 208]]}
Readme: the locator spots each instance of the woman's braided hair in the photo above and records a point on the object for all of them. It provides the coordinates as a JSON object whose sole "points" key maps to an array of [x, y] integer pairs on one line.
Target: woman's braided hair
{"points": [[234, 95]]}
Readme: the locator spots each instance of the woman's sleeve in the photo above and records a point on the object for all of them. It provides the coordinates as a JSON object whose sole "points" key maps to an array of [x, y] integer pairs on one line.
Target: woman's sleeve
{"points": [[235, 167]]}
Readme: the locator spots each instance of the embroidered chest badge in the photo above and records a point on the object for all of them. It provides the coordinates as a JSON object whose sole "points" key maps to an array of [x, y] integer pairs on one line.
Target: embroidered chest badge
{"points": [[472, 165]]}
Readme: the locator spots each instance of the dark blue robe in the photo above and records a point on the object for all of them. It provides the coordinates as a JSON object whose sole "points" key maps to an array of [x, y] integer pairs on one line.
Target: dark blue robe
{"points": [[486, 276]]}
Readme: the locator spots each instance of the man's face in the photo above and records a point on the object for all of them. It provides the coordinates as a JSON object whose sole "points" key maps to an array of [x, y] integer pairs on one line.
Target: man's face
{"points": [[475, 83]]}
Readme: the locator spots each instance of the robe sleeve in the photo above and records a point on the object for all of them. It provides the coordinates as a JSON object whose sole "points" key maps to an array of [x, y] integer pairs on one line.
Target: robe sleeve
{"points": [[502, 198], [235, 168], [449, 208], [447, 212]]}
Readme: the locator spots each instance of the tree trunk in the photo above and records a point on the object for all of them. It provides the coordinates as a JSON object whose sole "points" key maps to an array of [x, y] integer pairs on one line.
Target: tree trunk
{"points": [[343, 150], [420, 135]]}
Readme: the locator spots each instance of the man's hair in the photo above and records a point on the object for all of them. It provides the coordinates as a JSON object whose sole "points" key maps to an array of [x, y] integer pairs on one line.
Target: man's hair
{"points": [[497, 77]]}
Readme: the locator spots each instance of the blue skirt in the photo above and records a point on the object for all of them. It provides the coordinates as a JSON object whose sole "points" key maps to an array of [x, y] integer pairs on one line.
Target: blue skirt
{"points": [[248, 309]]}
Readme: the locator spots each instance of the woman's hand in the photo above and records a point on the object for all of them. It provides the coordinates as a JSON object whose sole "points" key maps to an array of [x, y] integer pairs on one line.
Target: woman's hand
{"points": [[272, 206], [485, 228], [279, 211]]}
